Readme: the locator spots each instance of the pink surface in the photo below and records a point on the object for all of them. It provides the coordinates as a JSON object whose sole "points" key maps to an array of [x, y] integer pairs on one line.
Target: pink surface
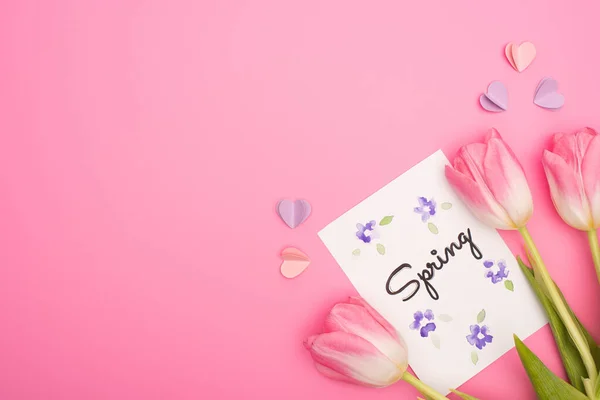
{"points": [[145, 145]]}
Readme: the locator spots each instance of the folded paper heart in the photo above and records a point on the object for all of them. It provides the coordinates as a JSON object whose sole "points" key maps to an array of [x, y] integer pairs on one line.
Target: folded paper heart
{"points": [[547, 96], [496, 97], [294, 262], [520, 56], [293, 213]]}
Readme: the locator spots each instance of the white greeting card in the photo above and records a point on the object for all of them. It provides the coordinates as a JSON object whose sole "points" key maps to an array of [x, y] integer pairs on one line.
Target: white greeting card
{"points": [[448, 283]]}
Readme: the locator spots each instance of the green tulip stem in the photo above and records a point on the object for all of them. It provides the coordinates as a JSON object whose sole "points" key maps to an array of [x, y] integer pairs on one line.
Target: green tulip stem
{"points": [[593, 238], [428, 391], [572, 327]]}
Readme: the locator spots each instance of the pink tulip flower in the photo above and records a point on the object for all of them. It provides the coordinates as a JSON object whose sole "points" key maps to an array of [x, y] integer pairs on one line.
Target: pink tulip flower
{"points": [[358, 346], [490, 181], [572, 165]]}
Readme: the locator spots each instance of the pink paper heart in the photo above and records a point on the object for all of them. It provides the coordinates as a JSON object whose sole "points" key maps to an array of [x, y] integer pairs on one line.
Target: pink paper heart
{"points": [[294, 262], [508, 53], [520, 56]]}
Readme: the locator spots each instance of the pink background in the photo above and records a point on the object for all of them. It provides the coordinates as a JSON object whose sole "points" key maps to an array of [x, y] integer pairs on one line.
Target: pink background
{"points": [[146, 143]]}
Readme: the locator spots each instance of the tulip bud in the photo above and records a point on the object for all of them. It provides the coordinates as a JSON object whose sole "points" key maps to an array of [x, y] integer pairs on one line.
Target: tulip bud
{"points": [[490, 181], [572, 165], [359, 346]]}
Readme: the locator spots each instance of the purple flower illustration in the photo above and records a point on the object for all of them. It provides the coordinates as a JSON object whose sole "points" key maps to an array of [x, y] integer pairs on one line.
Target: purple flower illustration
{"points": [[500, 275], [367, 232], [479, 336], [427, 327], [426, 208]]}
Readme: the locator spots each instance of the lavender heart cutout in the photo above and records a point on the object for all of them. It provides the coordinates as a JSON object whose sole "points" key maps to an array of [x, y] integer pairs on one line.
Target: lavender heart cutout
{"points": [[496, 97], [293, 213], [488, 105], [541, 83], [547, 96]]}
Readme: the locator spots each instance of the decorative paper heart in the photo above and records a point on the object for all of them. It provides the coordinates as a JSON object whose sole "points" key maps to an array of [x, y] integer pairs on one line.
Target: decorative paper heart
{"points": [[294, 262], [293, 213], [521, 56], [496, 97], [547, 96], [509, 57]]}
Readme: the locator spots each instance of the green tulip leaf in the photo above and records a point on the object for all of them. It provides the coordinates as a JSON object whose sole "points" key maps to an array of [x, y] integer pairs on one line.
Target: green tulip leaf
{"points": [[509, 285], [474, 357], [432, 228], [462, 395], [547, 385], [568, 352], [594, 349], [587, 384], [386, 220], [380, 248], [480, 316]]}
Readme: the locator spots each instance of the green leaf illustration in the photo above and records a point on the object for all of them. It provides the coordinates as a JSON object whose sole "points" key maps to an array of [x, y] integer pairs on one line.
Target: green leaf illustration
{"points": [[444, 318], [432, 228], [380, 248], [435, 339], [446, 206], [480, 316], [356, 252], [509, 285], [386, 220], [474, 357]]}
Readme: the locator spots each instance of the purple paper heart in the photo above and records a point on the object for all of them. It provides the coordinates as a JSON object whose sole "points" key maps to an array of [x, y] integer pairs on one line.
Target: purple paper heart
{"points": [[293, 213], [496, 97], [547, 96], [488, 105], [541, 83]]}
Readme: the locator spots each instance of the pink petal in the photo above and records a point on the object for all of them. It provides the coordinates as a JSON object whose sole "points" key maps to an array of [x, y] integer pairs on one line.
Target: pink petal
{"points": [[354, 358], [479, 200], [590, 131], [461, 166], [590, 171], [331, 374], [357, 320], [506, 180], [583, 139], [556, 138], [470, 161], [492, 134], [567, 191], [563, 146], [572, 147], [378, 317], [309, 341]]}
